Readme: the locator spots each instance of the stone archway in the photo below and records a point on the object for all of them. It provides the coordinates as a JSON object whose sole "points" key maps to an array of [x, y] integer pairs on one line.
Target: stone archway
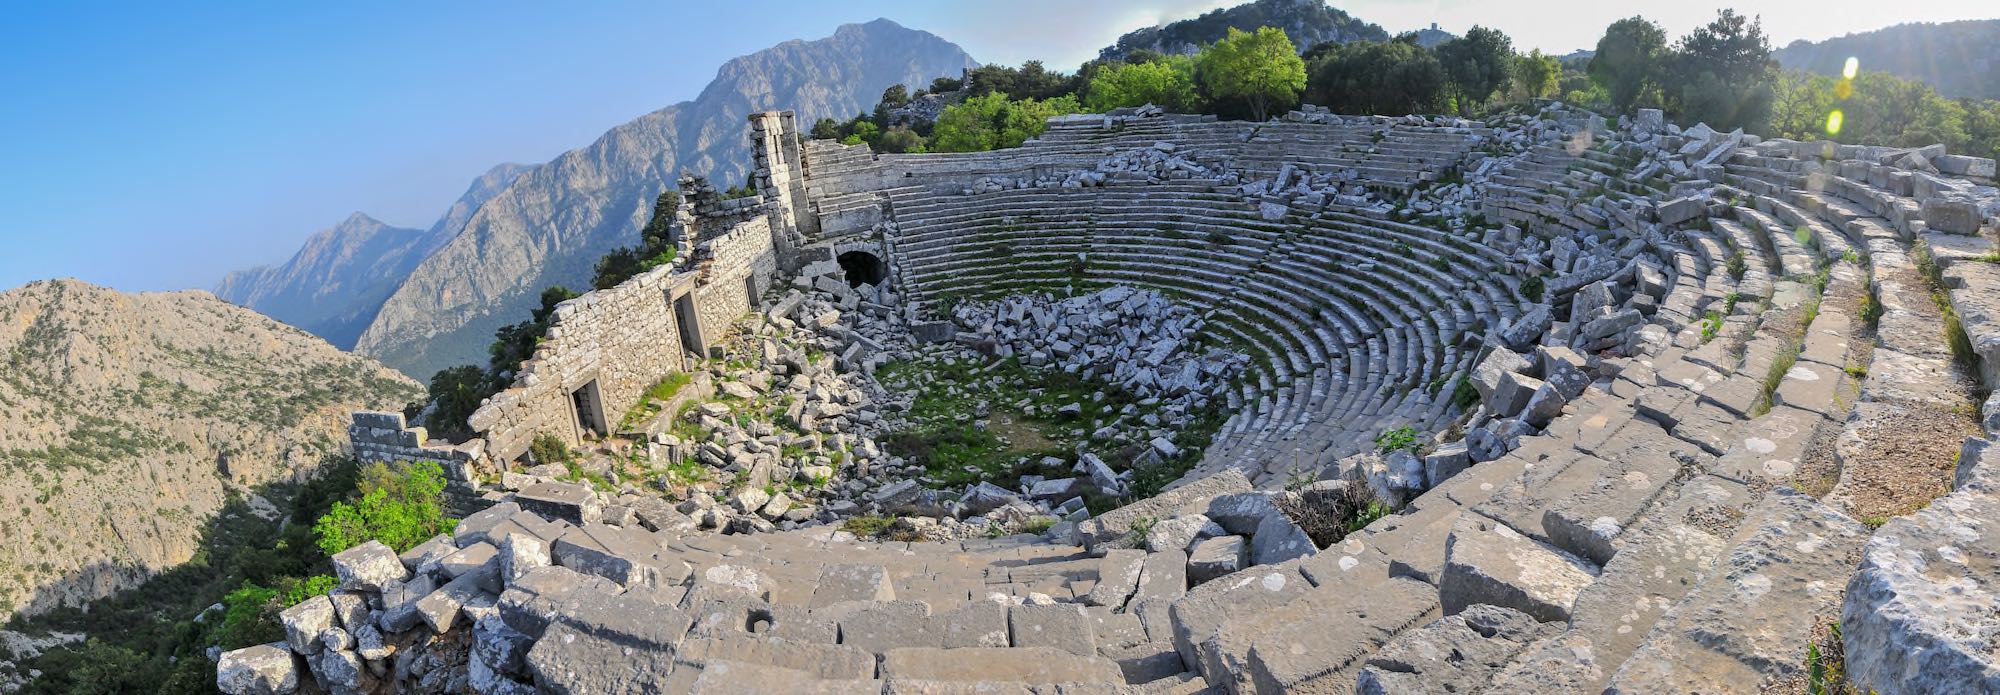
{"points": [[863, 268]]}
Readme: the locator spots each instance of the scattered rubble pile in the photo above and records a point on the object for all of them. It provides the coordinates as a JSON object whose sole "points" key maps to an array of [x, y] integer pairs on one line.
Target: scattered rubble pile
{"points": [[1642, 463], [781, 432], [1137, 340]]}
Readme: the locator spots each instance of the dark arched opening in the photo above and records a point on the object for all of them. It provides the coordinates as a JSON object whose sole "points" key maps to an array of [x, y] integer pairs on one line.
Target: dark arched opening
{"points": [[863, 268]]}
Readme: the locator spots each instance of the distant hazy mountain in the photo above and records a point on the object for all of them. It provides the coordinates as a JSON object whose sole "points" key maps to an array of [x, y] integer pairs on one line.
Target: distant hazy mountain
{"points": [[1307, 22], [1960, 59], [131, 418], [553, 223], [338, 280]]}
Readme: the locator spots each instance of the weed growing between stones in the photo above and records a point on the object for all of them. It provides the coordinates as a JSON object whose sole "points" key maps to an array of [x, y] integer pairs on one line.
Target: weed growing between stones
{"points": [[1396, 439], [655, 397]]}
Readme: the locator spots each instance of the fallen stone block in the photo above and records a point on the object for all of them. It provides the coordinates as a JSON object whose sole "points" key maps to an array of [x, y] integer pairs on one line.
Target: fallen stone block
{"points": [[265, 669], [1487, 562], [304, 623], [1457, 654], [1216, 557], [370, 566]]}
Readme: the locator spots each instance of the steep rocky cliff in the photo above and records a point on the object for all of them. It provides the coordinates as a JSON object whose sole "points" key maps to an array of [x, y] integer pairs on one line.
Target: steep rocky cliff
{"points": [[127, 419], [337, 281], [553, 223]]}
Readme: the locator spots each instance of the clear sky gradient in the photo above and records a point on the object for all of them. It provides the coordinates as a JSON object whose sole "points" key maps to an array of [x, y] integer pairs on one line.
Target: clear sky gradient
{"points": [[160, 145]]}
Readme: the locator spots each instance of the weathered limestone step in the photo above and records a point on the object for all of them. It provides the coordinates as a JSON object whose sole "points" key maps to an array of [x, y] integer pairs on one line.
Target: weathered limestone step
{"points": [[1746, 624], [1664, 555], [1320, 648], [1023, 666], [1457, 654], [1917, 616]]}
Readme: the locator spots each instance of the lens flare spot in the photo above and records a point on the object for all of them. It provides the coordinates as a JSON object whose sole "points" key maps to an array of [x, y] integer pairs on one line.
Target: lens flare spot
{"points": [[1843, 89], [1833, 122], [1852, 67]]}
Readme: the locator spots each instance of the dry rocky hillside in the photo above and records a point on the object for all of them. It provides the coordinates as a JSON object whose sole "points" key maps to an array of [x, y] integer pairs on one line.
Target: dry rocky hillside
{"points": [[126, 420]]}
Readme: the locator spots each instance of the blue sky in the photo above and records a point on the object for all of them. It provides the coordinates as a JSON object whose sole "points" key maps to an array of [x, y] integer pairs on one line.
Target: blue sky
{"points": [[160, 145]]}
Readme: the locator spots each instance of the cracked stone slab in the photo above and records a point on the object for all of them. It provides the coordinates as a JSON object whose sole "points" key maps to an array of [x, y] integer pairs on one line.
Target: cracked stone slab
{"points": [[1488, 562]]}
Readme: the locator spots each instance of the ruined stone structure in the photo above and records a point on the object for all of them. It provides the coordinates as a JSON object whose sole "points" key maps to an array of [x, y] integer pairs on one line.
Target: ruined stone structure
{"points": [[1678, 397]]}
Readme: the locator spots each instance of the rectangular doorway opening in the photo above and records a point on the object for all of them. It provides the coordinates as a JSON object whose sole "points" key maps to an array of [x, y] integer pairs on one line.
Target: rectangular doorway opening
{"points": [[589, 404], [689, 323], [750, 290]]}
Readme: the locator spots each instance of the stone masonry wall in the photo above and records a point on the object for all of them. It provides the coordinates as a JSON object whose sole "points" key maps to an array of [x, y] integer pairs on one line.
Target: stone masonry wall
{"points": [[624, 338], [743, 256], [385, 438]]}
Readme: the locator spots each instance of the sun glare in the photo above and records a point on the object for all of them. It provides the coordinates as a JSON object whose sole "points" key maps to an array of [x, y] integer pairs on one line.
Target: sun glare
{"points": [[1833, 122], [1853, 66]]}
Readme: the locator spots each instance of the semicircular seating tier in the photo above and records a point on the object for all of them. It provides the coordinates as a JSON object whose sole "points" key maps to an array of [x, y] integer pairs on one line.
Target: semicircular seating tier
{"points": [[1355, 323]]}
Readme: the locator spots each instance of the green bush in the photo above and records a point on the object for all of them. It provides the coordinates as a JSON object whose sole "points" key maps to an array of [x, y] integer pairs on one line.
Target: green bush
{"points": [[548, 448], [249, 617], [400, 509], [1396, 439]]}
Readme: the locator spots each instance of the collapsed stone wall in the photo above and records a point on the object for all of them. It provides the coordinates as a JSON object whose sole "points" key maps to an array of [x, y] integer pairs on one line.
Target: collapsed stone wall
{"points": [[385, 438]]}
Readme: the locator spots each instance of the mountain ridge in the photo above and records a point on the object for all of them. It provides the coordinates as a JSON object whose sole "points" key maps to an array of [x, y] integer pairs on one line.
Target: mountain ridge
{"points": [[1969, 66], [337, 280], [550, 225]]}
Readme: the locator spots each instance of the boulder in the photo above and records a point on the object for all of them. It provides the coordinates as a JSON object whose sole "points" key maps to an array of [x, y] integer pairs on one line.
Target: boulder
{"points": [[370, 566], [1918, 616], [266, 669], [305, 621], [1279, 539], [1216, 557]]}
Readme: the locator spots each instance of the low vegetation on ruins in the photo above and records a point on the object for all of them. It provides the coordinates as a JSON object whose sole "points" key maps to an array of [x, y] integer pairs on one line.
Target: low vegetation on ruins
{"points": [[1229, 363]]}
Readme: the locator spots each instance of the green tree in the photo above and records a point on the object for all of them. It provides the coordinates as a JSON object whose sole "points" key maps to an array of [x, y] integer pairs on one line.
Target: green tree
{"points": [[655, 249], [1030, 81], [1627, 61], [1800, 103], [1721, 74], [1366, 77], [1889, 110], [993, 121], [1261, 70], [1167, 83], [1537, 74], [455, 392], [1982, 127], [399, 508], [900, 140], [1477, 64]]}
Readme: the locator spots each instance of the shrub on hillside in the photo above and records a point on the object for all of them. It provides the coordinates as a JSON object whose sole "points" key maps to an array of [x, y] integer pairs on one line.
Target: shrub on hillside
{"points": [[399, 508]]}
